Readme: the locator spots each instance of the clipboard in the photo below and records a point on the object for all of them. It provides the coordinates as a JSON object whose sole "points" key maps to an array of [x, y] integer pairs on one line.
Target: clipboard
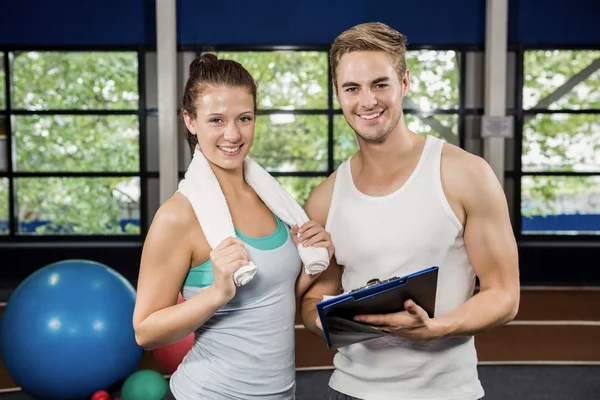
{"points": [[376, 297]]}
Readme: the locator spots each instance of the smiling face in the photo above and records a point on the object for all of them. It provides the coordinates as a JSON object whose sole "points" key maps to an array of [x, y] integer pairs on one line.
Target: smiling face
{"points": [[370, 93], [224, 124]]}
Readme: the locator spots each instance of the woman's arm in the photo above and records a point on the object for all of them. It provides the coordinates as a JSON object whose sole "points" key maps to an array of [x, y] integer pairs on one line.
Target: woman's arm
{"points": [[166, 258]]}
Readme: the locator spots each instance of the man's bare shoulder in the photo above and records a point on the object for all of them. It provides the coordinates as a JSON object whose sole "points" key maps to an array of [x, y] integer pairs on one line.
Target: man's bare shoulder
{"points": [[319, 201], [466, 175]]}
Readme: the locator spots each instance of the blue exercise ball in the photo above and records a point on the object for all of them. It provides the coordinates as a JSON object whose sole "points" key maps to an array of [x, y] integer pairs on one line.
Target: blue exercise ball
{"points": [[67, 331]]}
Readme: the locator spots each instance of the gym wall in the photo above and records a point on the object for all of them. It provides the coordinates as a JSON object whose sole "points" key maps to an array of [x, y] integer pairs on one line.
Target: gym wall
{"points": [[557, 260], [130, 25]]}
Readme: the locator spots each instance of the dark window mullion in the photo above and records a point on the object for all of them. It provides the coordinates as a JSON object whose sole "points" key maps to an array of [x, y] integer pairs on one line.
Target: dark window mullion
{"points": [[518, 142], [560, 173], [536, 111], [74, 174], [12, 207], [330, 121], [74, 112], [142, 142], [462, 84]]}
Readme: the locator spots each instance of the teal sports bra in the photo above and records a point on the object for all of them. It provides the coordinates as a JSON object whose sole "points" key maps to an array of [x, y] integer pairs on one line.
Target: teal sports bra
{"points": [[202, 276]]}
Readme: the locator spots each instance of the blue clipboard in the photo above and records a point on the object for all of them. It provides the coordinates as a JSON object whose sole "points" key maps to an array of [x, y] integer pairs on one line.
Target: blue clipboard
{"points": [[376, 297]]}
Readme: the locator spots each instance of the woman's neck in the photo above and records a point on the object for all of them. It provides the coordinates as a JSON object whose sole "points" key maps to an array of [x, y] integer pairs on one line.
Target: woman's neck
{"points": [[232, 181]]}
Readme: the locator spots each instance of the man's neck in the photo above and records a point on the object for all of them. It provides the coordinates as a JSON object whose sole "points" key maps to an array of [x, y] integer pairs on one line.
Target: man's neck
{"points": [[384, 157]]}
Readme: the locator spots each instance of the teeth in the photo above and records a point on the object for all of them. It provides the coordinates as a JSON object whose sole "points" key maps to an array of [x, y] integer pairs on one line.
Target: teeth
{"points": [[230, 149], [370, 116]]}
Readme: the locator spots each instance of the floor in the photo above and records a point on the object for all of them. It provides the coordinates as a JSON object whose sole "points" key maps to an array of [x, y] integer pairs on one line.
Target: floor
{"points": [[499, 382]]}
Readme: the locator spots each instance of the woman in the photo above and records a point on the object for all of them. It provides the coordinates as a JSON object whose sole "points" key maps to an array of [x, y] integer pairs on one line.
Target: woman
{"points": [[244, 337]]}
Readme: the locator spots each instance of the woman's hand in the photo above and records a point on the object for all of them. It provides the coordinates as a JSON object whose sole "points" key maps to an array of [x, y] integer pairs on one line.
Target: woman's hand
{"points": [[312, 234], [227, 258]]}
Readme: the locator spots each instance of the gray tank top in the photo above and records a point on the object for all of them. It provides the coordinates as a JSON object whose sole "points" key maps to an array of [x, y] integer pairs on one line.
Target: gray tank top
{"points": [[246, 350]]}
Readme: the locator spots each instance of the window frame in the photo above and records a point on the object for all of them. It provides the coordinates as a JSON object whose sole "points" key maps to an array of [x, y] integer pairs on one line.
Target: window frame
{"points": [[9, 113], [517, 173]]}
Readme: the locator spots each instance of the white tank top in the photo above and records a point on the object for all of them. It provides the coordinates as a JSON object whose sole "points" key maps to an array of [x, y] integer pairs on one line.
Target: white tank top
{"points": [[394, 235]]}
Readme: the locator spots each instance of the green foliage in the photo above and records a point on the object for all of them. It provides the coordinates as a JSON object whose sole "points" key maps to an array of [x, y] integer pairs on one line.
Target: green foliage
{"points": [[81, 81], [291, 143], [434, 78], [76, 205], [299, 187], [559, 142], [547, 70], [69, 143], [547, 195], [77, 143], [345, 140], [287, 80]]}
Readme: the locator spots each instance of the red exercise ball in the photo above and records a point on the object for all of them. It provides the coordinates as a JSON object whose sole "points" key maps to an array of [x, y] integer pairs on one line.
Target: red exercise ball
{"points": [[100, 395], [170, 356]]}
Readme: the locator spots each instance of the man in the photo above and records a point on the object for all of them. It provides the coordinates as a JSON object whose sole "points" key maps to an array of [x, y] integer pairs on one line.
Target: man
{"points": [[403, 203]]}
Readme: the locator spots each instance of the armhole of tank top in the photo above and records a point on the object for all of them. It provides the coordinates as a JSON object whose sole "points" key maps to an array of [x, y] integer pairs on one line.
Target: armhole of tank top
{"points": [[334, 195], [440, 187]]}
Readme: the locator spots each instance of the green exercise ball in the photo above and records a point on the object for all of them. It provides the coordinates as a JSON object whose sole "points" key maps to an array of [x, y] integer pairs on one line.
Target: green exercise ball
{"points": [[144, 385]]}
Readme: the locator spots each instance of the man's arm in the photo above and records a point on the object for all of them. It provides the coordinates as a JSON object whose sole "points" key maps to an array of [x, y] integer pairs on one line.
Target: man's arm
{"points": [[492, 251], [330, 281]]}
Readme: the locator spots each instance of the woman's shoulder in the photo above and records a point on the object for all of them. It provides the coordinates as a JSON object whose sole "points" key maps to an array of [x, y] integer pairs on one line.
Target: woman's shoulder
{"points": [[175, 214]]}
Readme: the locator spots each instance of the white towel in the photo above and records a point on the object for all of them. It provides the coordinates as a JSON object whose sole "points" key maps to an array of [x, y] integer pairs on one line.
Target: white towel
{"points": [[204, 193]]}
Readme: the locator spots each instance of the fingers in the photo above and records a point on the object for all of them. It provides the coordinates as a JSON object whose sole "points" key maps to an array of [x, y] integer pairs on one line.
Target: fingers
{"points": [[382, 328], [415, 310], [294, 234], [315, 235], [228, 242], [409, 305], [234, 249], [307, 226], [235, 255], [229, 255], [374, 319], [401, 319], [310, 231], [321, 237]]}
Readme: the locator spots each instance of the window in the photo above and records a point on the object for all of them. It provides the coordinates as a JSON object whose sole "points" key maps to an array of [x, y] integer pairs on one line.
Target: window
{"points": [[560, 161], [301, 134], [292, 128], [74, 159], [74, 164]]}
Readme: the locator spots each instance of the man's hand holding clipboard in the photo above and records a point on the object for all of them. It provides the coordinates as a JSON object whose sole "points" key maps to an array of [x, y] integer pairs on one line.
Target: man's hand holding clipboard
{"points": [[402, 306]]}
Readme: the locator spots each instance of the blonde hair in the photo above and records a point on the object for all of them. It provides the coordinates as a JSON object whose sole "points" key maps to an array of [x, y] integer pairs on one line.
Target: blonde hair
{"points": [[371, 36]]}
